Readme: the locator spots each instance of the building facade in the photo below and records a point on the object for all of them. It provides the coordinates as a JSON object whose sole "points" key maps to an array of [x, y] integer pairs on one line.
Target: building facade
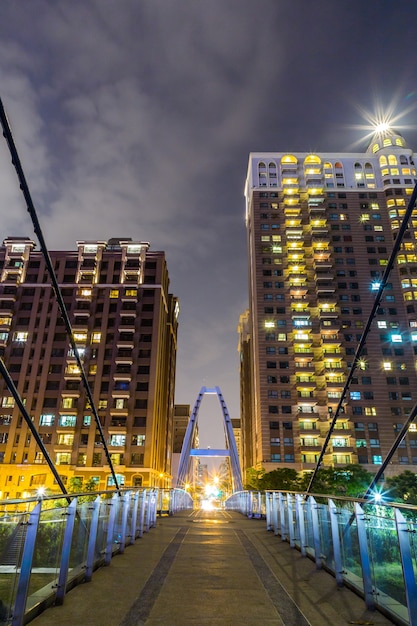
{"points": [[320, 231], [124, 324]]}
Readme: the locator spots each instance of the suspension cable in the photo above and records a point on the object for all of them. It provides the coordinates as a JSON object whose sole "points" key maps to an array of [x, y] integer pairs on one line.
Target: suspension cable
{"points": [[7, 134], [382, 285], [12, 388]]}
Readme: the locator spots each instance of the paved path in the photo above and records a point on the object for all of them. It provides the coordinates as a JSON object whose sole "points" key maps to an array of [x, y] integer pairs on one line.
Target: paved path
{"points": [[210, 568]]}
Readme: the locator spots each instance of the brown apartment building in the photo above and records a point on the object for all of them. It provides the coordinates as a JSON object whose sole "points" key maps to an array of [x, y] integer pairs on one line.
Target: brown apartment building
{"points": [[124, 323], [320, 231]]}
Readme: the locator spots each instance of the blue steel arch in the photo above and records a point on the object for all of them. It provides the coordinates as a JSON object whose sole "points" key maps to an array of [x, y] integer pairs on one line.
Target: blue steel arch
{"points": [[184, 469]]}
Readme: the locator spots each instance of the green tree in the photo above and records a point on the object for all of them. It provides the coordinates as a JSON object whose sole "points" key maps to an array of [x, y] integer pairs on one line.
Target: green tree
{"points": [[253, 478], [403, 488], [350, 480], [284, 478]]}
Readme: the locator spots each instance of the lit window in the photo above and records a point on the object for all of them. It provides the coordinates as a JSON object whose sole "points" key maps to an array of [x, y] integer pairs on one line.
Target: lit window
{"points": [[117, 440], [396, 338], [133, 249], [86, 420], [20, 336], [72, 368], [382, 324], [7, 401], [65, 439], [86, 292], [96, 338], [131, 292], [90, 249], [80, 337], [387, 365], [102, 404], [18, 247], [63, 458], [67, 420], [67, 403], [47, 419], [355, 395], [5, 321], [370, 410], [114, 293]]}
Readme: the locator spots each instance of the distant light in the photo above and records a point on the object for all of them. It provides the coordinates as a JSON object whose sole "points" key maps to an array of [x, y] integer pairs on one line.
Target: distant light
{"points": [[396, 338], [382, 127], [375, 286], [40, 492], [377, 497]]}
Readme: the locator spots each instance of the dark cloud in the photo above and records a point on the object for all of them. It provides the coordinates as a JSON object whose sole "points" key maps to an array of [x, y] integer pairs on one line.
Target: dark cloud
{"points": [[138, 117]]}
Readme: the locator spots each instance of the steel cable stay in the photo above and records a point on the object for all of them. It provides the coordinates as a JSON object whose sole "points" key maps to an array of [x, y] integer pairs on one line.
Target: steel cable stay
{"points": [[7, 134], [358, 352]]}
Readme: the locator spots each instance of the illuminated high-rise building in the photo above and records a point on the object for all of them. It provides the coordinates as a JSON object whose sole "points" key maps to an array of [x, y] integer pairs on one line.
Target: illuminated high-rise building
{"points": [[320, 231], [124, 324]]}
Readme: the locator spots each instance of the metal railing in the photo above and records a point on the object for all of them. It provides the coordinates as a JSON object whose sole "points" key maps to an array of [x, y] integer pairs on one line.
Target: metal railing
{"points": [[369, 547], [49, 545]]}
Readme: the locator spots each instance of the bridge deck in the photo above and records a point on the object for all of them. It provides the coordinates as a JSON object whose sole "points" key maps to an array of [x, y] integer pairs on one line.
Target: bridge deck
{"points": [[210, 568]]}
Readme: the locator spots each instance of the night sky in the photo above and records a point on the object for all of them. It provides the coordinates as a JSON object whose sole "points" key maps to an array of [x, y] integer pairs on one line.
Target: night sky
{"points": [[136, 117]]}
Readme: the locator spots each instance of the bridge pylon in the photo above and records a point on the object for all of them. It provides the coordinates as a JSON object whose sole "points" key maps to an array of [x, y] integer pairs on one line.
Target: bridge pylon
{"points": [[188, 451]]}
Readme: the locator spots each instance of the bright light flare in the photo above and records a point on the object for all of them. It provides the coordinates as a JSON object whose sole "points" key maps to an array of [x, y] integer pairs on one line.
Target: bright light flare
{"points": [[382, 127], [384, 119], [207, 505]]}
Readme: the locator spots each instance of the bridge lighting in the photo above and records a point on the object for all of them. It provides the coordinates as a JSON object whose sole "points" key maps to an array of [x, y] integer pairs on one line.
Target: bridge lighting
{"points": [[382, 127], [40, 492]]}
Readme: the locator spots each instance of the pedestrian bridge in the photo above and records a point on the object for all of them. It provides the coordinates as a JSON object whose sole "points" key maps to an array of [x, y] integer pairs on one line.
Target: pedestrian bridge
{"points": [[266, 558]]}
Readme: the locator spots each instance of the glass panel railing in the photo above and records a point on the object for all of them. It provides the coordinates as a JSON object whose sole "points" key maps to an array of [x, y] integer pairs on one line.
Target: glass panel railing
{"points": [[326, 543], [46, 555], [13, 527], [385, 557]]}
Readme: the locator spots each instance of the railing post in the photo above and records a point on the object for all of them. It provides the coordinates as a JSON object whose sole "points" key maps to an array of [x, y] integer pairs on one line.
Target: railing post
{"points": [[403, 533], [268, 496], [92, 538], [142, 509], [66, 551], [125, 510], [282, 517], [148, 511], [337, 553], [275, 513], [154, 515], [26, 566], [290, 519], [316, 531], [110, 528], [135, 504], [300, 503], [364, 554]]}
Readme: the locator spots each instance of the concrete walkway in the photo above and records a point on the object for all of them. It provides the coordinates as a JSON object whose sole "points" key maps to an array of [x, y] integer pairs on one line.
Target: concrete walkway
{"points": [[210, 568]]}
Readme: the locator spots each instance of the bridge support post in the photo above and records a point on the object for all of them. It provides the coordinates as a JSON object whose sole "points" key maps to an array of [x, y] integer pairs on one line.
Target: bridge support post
{"points": [[404, 534], [364, 554], [110, 528], [91, 548], [300, 504], [26, 566], [66, 550], [290, 518], [316, 532], [337, 553]]}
